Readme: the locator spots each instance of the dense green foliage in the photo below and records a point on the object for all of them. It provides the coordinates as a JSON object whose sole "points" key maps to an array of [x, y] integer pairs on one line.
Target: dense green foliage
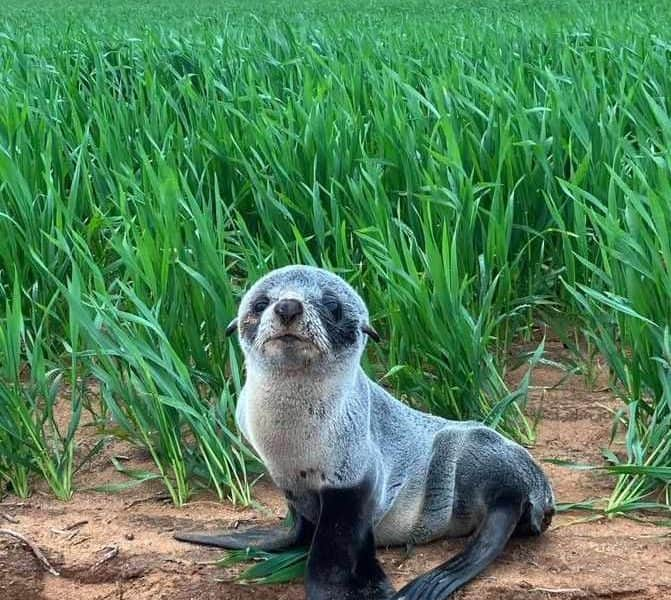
{"points": [[474, 170]]}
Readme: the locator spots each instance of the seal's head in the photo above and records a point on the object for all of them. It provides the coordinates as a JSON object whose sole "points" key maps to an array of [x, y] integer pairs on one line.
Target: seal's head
{"points": [[301, 317]]}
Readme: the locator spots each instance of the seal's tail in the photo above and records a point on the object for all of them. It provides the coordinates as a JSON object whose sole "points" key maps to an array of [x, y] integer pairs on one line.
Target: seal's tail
{"points": [[479, 553]]}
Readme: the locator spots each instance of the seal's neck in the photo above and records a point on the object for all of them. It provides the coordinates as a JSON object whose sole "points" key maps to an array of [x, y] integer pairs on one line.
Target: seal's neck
{"points": [[335, 382]]}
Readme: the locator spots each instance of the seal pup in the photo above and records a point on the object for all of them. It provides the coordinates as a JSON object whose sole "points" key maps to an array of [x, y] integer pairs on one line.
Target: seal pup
{"points": [[358, 467]]}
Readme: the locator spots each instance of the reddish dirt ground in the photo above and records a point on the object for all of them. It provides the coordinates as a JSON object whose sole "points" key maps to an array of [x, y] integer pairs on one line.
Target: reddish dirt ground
{"points": [[120, 546]]}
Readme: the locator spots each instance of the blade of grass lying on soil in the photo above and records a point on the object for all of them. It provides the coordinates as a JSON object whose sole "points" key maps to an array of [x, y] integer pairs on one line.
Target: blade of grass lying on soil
{"points": [[275, 567]]}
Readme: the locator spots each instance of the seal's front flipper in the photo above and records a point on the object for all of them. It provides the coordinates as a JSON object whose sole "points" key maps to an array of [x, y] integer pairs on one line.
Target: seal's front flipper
{"points": [[268, 539], [342, 563], [479, 553], [257, 538]]}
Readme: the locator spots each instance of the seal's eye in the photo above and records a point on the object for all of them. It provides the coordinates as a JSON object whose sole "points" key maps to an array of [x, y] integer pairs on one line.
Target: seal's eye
{"points": [[334, 307], [260, 305]]}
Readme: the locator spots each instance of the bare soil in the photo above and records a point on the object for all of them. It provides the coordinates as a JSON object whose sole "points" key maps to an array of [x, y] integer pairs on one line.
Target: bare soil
{"points": [[120, 546]]}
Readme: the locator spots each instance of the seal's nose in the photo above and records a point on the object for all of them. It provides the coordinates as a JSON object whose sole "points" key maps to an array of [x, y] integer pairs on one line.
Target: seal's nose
{"points": [[288, 310]]}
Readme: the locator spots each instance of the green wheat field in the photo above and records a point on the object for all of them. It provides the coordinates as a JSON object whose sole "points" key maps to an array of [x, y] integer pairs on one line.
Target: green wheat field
{"points": [[487, 173]]}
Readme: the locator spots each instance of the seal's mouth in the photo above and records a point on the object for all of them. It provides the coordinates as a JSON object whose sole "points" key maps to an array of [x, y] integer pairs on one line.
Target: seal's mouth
{"points": [[289, 338]]}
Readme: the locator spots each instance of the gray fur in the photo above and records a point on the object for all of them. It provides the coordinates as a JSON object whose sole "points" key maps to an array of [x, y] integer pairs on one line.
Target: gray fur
{"points": [[317, 420]]}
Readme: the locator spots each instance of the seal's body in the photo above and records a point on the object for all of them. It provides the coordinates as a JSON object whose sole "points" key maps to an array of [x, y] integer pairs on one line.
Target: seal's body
{"points": [[357, 428], [357, 466]]}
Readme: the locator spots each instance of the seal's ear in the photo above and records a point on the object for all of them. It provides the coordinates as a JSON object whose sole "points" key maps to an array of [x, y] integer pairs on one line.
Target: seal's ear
{"points": [[368, 330], [232, 326]]}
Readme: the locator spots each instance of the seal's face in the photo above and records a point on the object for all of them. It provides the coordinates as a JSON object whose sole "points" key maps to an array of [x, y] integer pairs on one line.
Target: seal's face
{"points": [[300, 317]]}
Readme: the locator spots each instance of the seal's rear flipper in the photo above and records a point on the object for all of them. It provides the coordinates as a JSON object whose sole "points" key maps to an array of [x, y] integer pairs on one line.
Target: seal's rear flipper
{"points": [[268, 539], [479, 553]]}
